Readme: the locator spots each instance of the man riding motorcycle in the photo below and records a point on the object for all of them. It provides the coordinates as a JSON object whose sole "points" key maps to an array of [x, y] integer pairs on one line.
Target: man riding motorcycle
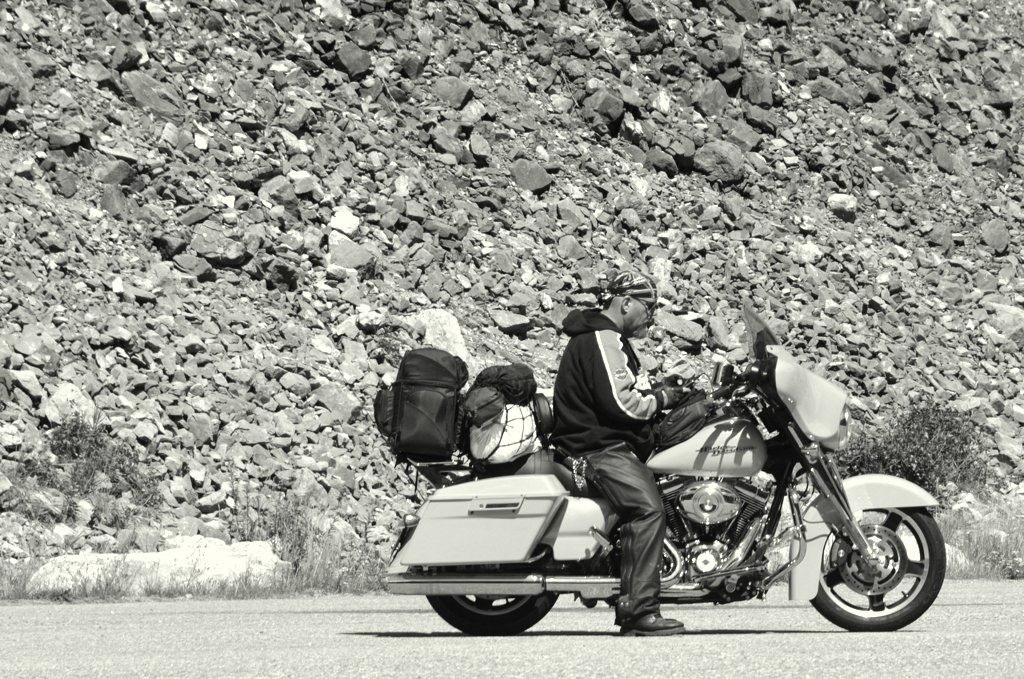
{"points": [[603, 420]]}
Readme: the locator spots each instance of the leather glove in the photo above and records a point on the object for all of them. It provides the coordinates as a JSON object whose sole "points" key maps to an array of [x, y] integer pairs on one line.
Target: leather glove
{"points": [[672, 391], [668, 397]]}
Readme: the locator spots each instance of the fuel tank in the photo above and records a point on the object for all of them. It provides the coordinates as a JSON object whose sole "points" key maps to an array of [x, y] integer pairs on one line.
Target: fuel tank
{"points": [[730, 447]]}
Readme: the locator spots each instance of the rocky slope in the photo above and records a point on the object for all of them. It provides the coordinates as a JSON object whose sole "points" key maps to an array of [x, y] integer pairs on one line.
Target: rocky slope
{"points": [[223, 222]]}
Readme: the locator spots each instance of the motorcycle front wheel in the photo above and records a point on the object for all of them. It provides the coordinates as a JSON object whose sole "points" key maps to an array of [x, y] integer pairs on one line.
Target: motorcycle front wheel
{"points": [[493, 615], [861, 598]]}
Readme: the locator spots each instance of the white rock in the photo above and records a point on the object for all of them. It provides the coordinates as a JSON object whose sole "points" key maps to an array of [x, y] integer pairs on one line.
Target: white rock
{"points": [[441, 329], [806, 253], [343, 220], [324, 344], [334, 10], [10, 437], [842, 204], [66, 401], [662, 101], [188, 563]]}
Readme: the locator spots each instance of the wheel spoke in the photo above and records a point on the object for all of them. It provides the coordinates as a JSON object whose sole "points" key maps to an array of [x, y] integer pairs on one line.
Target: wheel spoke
{"points": [[915, 569], [833, 579], [876, 602], [893, 521]]}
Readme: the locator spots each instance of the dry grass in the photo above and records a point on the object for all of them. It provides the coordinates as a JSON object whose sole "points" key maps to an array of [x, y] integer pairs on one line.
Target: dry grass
{"points": [[990, 538], [14, 577], [328, 569], [323, 561]]}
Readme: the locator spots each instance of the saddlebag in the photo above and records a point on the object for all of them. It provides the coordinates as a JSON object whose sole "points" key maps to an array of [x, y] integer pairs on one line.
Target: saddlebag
{"points": [[493, 521]]}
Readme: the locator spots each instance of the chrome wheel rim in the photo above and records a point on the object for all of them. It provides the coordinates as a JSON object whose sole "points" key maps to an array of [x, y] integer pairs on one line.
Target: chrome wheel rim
{"points": [[892, 583]]}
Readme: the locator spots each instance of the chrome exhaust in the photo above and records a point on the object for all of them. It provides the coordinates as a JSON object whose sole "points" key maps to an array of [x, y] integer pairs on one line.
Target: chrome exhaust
{"points": [[588, 587], [450, 585]]}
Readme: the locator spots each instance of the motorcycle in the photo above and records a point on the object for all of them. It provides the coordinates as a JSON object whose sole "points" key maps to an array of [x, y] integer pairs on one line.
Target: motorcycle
{"points": [[492, 555]]}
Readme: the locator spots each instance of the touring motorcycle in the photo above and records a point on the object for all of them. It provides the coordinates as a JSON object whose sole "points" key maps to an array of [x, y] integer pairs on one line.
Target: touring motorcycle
{"points": [[493, 554]]}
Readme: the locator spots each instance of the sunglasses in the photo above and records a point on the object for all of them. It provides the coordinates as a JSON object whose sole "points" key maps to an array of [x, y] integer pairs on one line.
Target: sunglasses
{"points": [[649, 308]]}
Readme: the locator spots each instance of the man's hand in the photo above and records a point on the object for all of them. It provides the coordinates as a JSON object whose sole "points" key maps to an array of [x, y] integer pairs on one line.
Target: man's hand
{"points": [[668, 397], [672, 391]]}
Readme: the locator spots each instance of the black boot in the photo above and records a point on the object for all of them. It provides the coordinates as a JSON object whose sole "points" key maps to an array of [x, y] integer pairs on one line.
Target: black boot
{"points": [[652, 625]]}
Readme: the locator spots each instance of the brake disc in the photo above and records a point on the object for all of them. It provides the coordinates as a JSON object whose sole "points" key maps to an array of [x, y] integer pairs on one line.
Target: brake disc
{"points": [[867, 576]]}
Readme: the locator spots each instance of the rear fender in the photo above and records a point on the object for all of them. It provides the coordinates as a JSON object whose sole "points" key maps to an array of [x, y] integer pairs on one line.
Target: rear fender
{"points": [[868, 491]]}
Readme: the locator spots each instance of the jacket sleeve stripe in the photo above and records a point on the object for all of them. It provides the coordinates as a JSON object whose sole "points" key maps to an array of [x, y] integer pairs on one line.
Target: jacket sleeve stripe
{"points": [[621, 379]]}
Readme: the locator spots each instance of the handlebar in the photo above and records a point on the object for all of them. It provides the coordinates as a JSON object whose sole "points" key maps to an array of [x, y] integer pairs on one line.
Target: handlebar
{"points": [[730, 386]]}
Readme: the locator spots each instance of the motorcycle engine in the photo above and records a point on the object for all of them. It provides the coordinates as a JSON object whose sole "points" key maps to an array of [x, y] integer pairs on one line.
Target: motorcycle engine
{"points": [[707, 518], [708, 502]]}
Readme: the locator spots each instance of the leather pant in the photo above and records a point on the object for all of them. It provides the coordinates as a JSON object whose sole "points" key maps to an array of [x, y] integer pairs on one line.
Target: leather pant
{"points": [[617, 475]]}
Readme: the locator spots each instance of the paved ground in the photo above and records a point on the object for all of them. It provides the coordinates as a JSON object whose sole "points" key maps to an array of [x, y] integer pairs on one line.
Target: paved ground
{"points": [[976, 629]]}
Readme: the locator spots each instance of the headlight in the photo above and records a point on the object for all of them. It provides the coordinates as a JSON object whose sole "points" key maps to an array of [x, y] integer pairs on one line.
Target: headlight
{"points": [[845, 428]]}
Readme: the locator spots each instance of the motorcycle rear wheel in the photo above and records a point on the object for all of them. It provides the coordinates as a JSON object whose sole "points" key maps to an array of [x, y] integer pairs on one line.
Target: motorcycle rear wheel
{"points": [[856, 599], [493, 615]]}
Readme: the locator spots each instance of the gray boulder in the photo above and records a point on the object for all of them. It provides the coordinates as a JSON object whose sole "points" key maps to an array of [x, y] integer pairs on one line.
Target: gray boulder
{"points": [[721, 161], [531, 175], [159, 98]]}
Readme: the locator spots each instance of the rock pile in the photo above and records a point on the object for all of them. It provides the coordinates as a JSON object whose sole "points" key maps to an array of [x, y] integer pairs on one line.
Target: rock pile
{"points": [[220, 220]]}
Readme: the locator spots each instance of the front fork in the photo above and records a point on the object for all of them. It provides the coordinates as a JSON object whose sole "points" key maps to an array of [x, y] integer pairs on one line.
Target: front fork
{"points": [[825, 477]]}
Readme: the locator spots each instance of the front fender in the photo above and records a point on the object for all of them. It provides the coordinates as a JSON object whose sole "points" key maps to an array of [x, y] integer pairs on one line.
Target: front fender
{"points": [[868, 491]]}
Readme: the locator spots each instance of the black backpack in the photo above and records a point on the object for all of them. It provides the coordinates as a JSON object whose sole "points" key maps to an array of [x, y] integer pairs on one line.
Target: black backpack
{"points": [[515, 382], [421, 413]]}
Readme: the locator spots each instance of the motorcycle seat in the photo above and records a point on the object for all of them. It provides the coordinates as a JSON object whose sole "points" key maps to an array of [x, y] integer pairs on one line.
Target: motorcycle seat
{"points": [[540, 462], [543, 462]]}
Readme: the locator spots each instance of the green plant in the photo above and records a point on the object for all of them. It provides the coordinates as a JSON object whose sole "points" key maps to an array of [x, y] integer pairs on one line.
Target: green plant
{"points": [[930, 445], [1009, 563], [91, 464]]}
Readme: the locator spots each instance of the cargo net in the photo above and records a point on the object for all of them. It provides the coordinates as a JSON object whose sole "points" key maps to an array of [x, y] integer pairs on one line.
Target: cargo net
{"points": [[511, 435]]}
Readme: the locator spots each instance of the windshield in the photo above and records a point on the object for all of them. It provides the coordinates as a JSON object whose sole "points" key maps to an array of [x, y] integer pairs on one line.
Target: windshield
{"points": [[759, 335]]}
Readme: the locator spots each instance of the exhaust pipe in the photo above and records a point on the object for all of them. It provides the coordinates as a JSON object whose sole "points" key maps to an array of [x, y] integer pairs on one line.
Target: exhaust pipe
{"points": [[450, 585], [588, 587]]}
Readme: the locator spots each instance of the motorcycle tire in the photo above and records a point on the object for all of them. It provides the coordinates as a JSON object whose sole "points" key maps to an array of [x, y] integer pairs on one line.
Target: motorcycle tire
{"points": [[493, 616], [916, 557]]}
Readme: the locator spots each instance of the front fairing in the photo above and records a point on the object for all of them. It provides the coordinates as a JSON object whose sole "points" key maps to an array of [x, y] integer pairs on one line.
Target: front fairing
{"points": [[818, 406]]}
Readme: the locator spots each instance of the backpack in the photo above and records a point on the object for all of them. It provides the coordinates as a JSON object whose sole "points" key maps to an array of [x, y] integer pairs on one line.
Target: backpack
{"points": [[515, 382], [500, 410], [508, 437], [421, 413]]}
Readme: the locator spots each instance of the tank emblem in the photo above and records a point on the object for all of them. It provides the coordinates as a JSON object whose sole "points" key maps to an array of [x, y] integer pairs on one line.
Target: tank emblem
{"points": [[726, 450]]}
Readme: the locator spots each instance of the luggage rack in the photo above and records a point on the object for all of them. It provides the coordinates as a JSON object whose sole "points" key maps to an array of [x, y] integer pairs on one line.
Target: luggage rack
{"points": [[439, 474]]}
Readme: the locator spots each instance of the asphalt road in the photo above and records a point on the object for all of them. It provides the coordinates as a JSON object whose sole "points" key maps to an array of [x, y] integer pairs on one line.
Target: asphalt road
{"points": [[975, 629]]}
